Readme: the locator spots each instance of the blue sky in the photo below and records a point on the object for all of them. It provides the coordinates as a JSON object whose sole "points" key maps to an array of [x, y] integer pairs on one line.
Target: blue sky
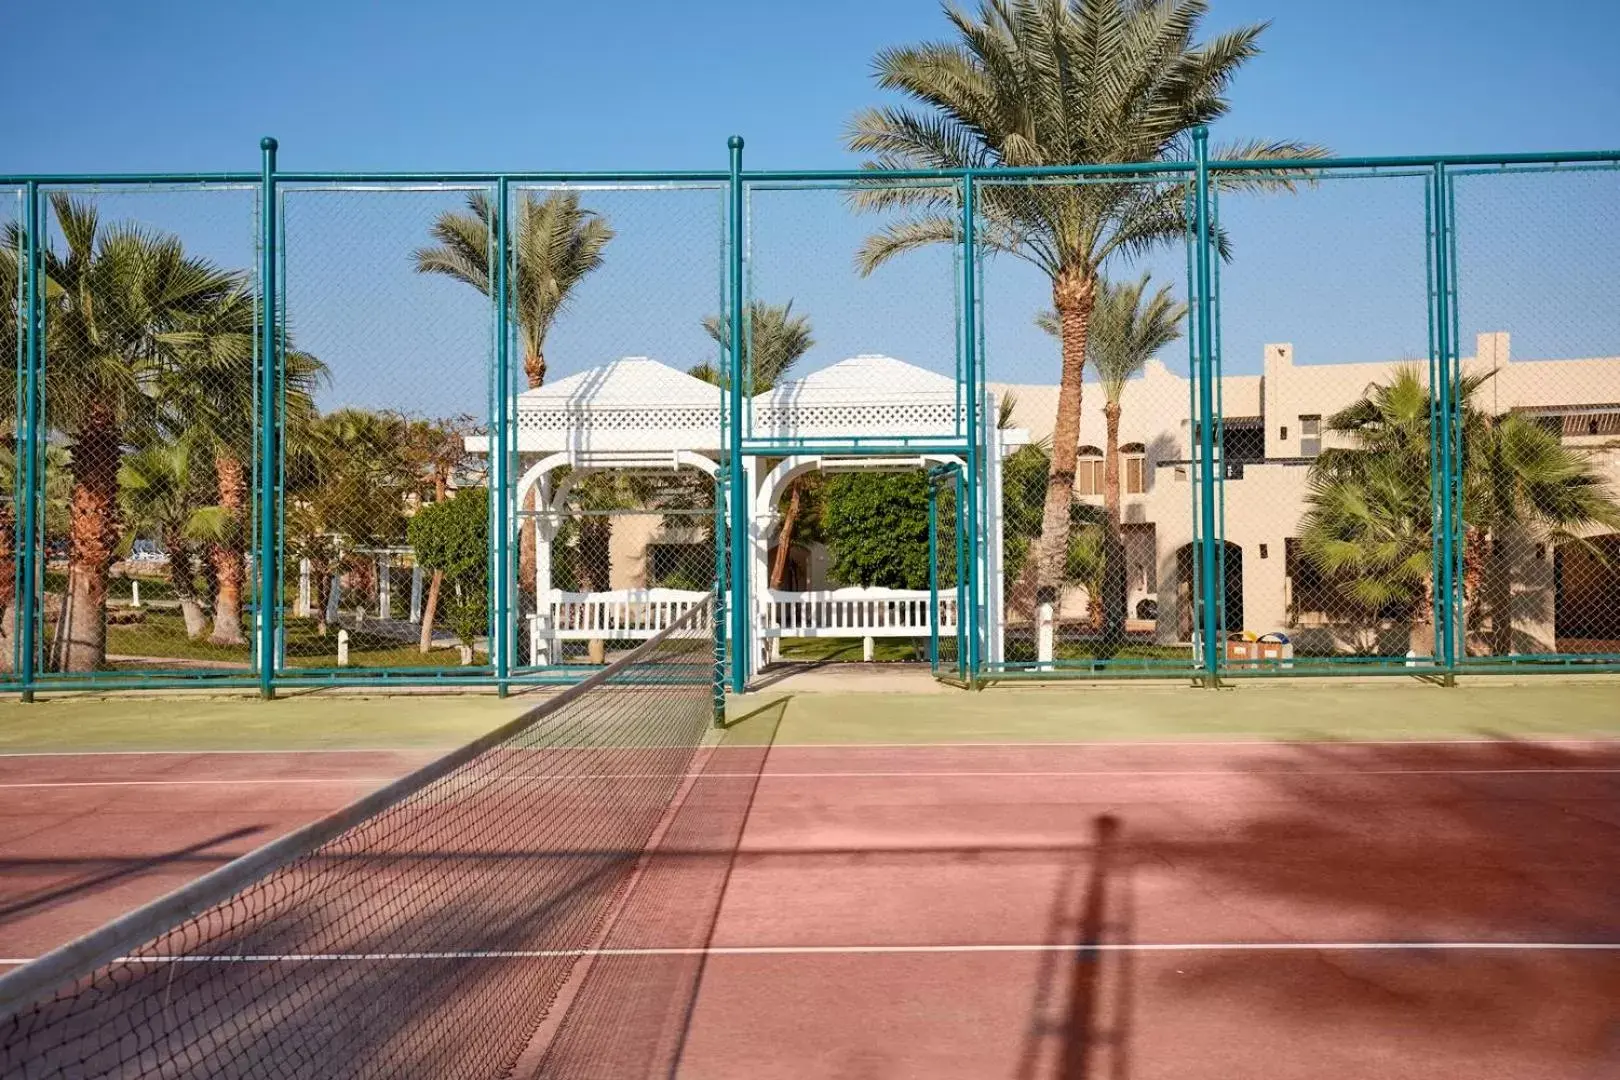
{"points": [[641, 84]]}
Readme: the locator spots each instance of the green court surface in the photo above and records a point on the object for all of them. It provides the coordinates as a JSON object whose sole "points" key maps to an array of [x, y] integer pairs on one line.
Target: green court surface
{"points": [[1303, 710]]}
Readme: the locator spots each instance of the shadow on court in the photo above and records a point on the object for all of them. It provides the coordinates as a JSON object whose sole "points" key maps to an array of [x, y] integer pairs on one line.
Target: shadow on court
{"points": [[100, 872], [1437, 844], [627, 1014]]}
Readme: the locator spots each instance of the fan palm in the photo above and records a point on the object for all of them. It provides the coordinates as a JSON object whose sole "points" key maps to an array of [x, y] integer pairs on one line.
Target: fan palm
{"points": [[209, 396], [163, 493], [118, 301], [776, 340], [1125, 334], [1369, 523], [1054, 82]]}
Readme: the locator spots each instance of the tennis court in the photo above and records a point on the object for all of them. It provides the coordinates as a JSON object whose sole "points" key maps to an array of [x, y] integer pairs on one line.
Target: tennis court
{"points": [[1123, 882]]}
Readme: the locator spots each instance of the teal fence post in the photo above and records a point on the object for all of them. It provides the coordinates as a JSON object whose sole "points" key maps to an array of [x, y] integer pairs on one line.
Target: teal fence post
{"points": [[1441, 426], [1205, 419], [28, 539], [933, 574], [741, 604], [968, 616], [269, 424], [962, 594], [1458, 534], [503, 627]]}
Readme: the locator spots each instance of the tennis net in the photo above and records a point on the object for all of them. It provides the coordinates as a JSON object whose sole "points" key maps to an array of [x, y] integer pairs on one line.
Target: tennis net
{"points": [[423, 931]]}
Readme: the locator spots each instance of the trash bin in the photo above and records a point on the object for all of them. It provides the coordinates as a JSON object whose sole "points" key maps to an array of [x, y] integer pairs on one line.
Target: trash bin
{"points": [[1275, 646]]}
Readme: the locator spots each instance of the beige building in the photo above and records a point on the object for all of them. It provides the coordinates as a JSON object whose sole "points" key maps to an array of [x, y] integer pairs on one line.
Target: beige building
{"points": [[1565, 598]]}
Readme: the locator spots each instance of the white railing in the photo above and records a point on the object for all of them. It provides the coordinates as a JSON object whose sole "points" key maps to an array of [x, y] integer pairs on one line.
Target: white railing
{"points": [[854, 612], [620, 615]]}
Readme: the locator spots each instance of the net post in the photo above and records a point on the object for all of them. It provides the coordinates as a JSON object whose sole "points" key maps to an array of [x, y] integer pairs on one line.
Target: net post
{"points": [[1209, 615], [741, 602], [502, 627], [269, 423], [31, 360]]}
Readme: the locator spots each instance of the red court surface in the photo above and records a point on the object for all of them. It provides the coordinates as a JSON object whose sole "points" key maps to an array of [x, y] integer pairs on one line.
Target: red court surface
{"points": [[1188, 911]]}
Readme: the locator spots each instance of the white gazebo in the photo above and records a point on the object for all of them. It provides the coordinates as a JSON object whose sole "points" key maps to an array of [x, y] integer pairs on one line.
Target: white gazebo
{"points": [[636, 415]]}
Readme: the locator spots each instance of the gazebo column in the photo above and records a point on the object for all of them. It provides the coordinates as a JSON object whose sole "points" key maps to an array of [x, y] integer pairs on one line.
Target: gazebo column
{"points": [[995, 580], [304, 608], [416, 592], [541, 642], [758, 569]]}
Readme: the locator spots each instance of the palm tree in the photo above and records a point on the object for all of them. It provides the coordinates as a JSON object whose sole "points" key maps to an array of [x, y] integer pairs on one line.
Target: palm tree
{"points": [[435, 451], [776, 340], [1124, 335], [1054, 82], [209, 396], [1521, 483], [162, 492], [346, 488], [1369, 524], [556, 243], [118, 302]]}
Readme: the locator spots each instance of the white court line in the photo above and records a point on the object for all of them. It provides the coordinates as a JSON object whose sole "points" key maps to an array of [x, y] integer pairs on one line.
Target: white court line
{"points": [[1239, 739], [768, 774], [887, 950]]}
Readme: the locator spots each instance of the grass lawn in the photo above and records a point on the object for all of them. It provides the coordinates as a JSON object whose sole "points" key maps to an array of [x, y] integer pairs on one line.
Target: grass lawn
{"points": [[1305, 710], [163, 634]]}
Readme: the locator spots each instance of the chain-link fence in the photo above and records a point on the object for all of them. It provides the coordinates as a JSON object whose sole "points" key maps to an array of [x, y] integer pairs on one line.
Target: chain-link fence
{"points": [[148, 431], [388, 357], [1326, 437], [482, 429], [1084, 293], [1538, 333]]}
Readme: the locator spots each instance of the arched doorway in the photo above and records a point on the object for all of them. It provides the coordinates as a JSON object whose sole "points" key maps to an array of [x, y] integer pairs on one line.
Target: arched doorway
{"points": [[1586, 605], [1186, 616]]}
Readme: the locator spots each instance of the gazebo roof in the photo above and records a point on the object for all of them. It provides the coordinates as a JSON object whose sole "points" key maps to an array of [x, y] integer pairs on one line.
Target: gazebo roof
{"points": [[631, 404], [637, 404], [868, 396]]}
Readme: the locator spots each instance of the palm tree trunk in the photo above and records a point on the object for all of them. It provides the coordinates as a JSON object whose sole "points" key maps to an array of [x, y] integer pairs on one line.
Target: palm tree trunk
{"points": [[185, 590], [1420, 638], [430, 611], [1496, 591], [596, 569], [1114, 583], [1074, 294], [228, 563], [93, 538], [534, 370], [784, 542]]}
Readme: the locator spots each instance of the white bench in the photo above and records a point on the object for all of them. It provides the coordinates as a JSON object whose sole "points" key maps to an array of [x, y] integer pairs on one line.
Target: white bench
{"points": [[854, 612], [620, 615]]}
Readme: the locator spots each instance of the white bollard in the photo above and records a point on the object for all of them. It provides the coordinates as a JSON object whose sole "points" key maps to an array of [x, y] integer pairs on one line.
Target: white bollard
{"points": [[1043, 636], [466, 655], [343, 648], [134, 592], [867, 647]]}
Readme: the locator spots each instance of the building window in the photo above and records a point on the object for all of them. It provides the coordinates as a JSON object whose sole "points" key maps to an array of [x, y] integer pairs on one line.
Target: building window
{"points": [[1088, 475], [1135, 468], [1310, 436]]}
